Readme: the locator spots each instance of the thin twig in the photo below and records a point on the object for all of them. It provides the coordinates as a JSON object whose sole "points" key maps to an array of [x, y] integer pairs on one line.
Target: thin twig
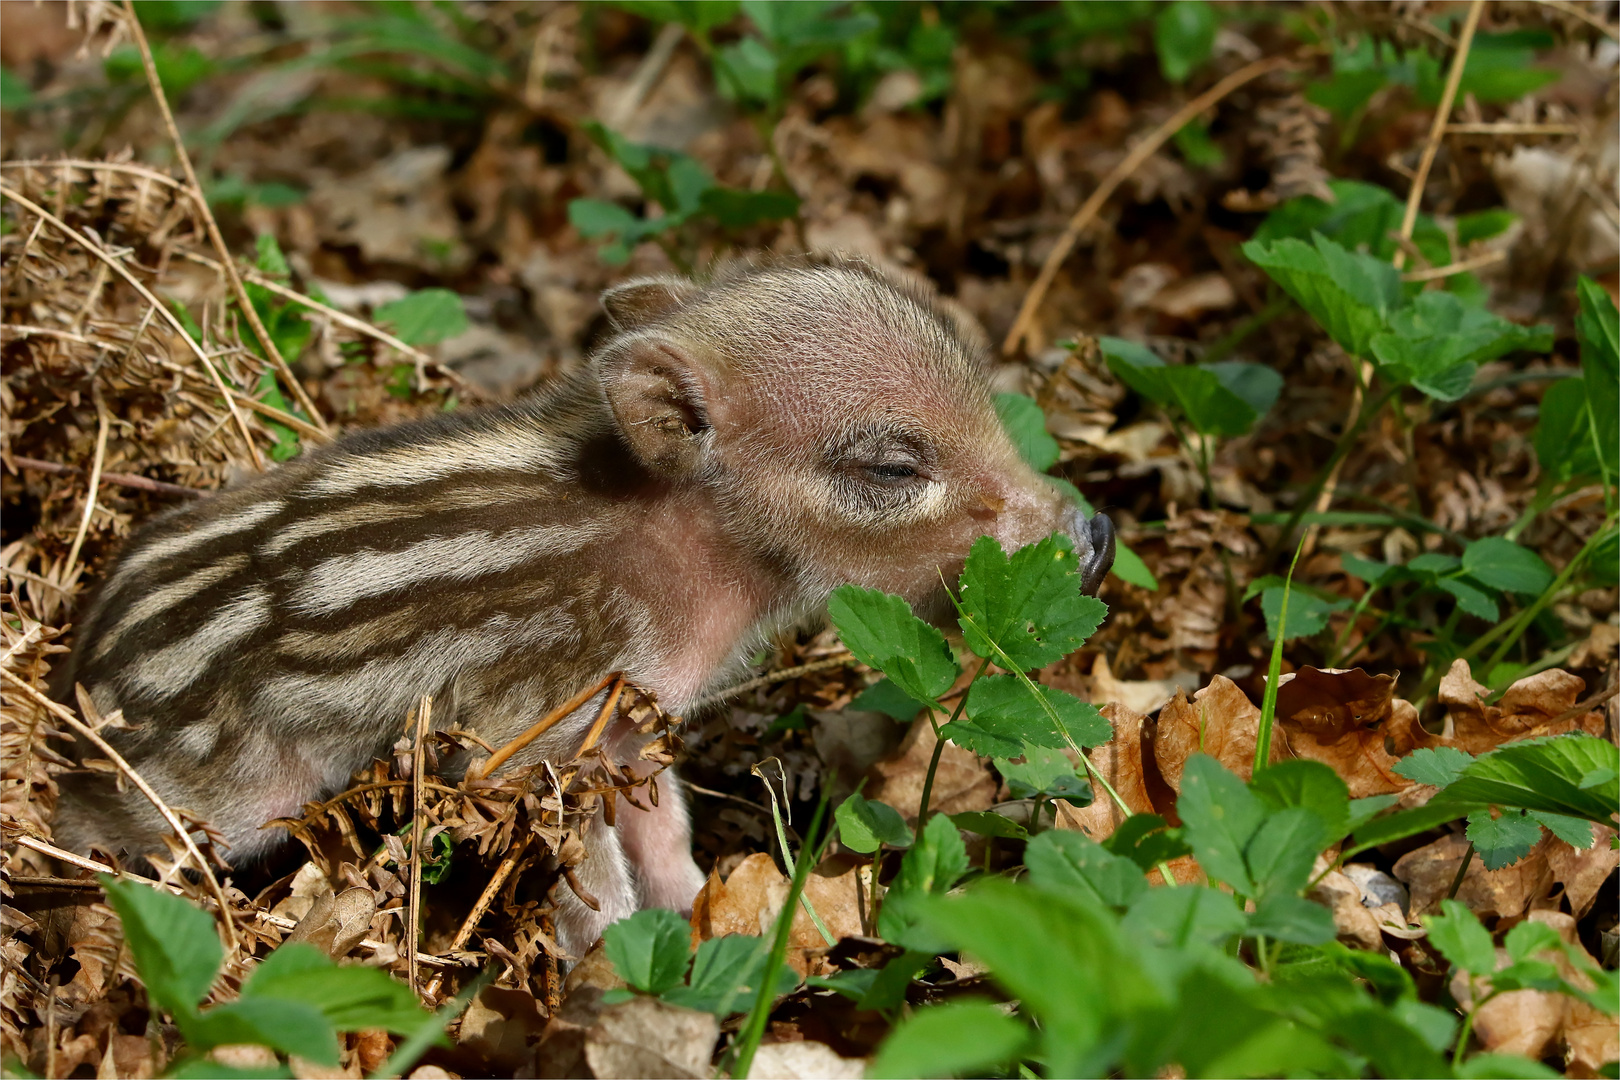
{"points": [[102, 424], [95, 248], [500, 756], [1575, 11], [94, 737], [1121, 172], [486, 899], [1435, 273], [195, 190], [780, 675], [128, 168], [129, 480], [1505, 127], [1437, 129], [418, 820], [602, 717]]}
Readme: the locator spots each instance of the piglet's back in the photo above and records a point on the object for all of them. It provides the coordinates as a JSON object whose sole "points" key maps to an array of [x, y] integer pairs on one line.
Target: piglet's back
{"points": [[267, 642]]}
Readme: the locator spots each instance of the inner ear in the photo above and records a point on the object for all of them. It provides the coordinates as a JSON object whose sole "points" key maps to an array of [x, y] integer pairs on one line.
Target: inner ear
{"points": [[642, 301], [659, 395]]}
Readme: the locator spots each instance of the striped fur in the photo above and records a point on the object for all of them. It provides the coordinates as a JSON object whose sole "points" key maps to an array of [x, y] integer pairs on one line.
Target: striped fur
{"points": [[730, 455]]}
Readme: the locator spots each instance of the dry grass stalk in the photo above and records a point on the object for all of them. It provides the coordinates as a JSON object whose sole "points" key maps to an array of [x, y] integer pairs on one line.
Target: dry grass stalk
{"points": [[413, 935]]}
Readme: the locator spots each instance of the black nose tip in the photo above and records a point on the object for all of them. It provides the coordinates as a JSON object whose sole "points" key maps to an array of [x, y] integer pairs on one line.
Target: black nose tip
{"points": [[1096, 563]]}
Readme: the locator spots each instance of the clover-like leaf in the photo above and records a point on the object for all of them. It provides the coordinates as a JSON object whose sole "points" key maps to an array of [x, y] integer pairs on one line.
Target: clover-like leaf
{"points": [[1027, 608]]}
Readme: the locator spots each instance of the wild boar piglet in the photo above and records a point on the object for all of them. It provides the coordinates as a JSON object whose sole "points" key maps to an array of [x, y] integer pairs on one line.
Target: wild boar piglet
{"points": [[733, 452]]}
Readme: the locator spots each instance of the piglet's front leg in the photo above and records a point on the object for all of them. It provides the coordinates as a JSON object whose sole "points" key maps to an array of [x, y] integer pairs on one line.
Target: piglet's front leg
{"points": [[658, 847]]}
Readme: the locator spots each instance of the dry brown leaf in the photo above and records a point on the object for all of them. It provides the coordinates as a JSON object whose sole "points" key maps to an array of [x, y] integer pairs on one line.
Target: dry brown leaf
{"points": [[804, 1061], [646, 1036], [749, 901], [1219, 721], [1582, 872], [1540, 704], [1354, 921], [963, 781], [500, 1025], [1119, 761], [1352, 722], [1504, 893]]}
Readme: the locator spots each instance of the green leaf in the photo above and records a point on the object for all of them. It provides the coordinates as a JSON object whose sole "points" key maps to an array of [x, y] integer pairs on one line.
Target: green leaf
{"points": [[271, 262], [881, 631], [1563, 437], [1184, 34], [174, 944], [1216, 399], [1002, 716], [864, 825], [1281, 852], [1029, 606], [1371, 571], [1457, 933], [1502, 841], [15, 93], [1070, 862], [1437, 341], [1129, 568], [1598, 327], [1504, 565], [1543, 774], [650, 949], [1256, 384], [935, 862], [1043, 771], [725, 976], [735, 208], [594, 218], [1527, 939], [425, 317], [1352, 295], [1184, 916], [986, 823], [1026, 426], [1308, 784], [1362, 216], [1219, 817], [1473, 601], [1438, 766], [1404, 823], [1147, 840], [291, 1027], [1484, 224], [1574, 831], [886, 697], [888, 990], [1489, 1066], [700, 16], [1307, 612], [1364, 810], [962, 1038], [746, 72], [1285, 916], [351, 998]]}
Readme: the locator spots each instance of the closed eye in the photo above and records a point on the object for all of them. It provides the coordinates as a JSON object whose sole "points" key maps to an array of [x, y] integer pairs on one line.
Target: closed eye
{"points": [[889, 472]]}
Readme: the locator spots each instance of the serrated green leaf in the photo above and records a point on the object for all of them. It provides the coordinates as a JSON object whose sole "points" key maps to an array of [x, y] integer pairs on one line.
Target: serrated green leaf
{"points": [[1574, 831], [1504, 840], [650, 949], [1029, 606], [881, 631], [1543, 774], [950, 1040], [1002, 708], [1042, 771], [1438, 766], [1071, 862], [936, 861], [864, 825], [1502, 564], [1352, 295], [725, 976], [1026, 426], [1307, 613], [174, 944], [271, 262], [1434, 340], [425, 317], [1219, 816], [1461, 939]]}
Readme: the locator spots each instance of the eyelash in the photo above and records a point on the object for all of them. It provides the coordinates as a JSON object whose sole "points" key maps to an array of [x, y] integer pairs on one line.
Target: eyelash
{"points": [[890, 473]]}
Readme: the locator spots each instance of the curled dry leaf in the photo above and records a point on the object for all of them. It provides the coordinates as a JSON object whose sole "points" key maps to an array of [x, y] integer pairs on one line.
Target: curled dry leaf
{"points": [[1119, 761], [1582, 871], [1220, 721], [750, 899], [649, 1037], [1540, 704], [804, 1060]]}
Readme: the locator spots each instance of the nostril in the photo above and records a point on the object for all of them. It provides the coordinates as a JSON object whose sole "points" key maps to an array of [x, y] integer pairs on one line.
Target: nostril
{"points": [[1096, 536]]}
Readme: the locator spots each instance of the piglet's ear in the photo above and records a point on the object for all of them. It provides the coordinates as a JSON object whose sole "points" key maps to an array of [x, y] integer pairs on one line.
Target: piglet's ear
{"points": [[643, 300], [659, 395]]}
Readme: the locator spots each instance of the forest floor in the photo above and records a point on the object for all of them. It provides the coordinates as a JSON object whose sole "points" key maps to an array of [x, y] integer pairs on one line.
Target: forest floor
{"points": [[424, 214]]}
